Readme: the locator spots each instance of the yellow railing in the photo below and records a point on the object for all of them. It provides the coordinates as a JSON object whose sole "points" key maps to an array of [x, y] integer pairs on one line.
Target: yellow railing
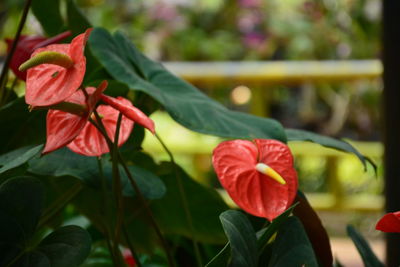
{"points": [[265, 74]]}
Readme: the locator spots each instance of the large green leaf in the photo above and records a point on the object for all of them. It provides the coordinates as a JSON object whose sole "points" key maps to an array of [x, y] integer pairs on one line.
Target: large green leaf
{"points": [[67, 246], [18, 157], [242, 238], [186, 104], [301, 135], [64, 162], [367, 255], [77, 22], [48, 14], [19, 127], [221, 259], [292, 247], [21, 200], [204, 205]]}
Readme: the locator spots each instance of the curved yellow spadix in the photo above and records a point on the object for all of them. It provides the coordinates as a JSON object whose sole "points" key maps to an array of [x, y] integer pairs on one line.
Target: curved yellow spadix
{"points": [[267, 170]]}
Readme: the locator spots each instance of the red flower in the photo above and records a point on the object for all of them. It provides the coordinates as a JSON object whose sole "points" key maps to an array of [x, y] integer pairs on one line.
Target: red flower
{"points": [[49, 84], [245, 170], [389, 223], [25, 47], [74, 131], [129, 260]]}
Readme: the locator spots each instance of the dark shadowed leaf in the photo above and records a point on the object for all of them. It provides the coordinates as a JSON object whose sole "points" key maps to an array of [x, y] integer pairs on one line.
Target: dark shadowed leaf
{"points": [[222, 258], [77, 22], [204, 204], [292, 247], [52, 22], [301, 135], [18, 157], [366, 253], [242, 238], [186, 104]]}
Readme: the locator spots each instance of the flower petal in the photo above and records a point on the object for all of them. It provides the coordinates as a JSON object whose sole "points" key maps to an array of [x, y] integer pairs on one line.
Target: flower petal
{"points": [[49, 84], [62, 127], [90, 142], [389, 223], [130, 111], [235, 164]]}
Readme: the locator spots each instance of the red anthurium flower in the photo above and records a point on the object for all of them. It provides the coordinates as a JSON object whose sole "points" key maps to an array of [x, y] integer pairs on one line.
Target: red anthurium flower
{"points": [[389, 223], [259, 176], [49, 84], [25, 47], [74, 131], [129, 260]]}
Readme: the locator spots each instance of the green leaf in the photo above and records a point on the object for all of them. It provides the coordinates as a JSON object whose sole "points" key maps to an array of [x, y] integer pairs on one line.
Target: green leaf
{"points": [[301, 135], [18, 157], [242, 238], [264, 235], [221, 259], [204, 204], [21, 200], [186, 104], [367, 255], [48, 14], [292, 247], [99, 257], [77, 22], [67, 246], [19, 127], [64, 162]]}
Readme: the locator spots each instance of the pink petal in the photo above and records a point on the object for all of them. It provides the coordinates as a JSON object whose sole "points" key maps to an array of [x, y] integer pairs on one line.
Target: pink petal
{"points": [[90, 142], [124, 106], [49, 84], [234, 162]]}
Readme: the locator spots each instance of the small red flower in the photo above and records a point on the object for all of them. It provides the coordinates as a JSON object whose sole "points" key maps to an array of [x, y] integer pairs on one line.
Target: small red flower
{"points": [[245, 169], [49, 84], [389, 223], [129, 260], [25, 47], [74, 131]]}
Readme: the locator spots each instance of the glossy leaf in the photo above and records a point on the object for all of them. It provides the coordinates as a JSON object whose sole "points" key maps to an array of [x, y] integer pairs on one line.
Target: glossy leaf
{"points": [[242, 238], [52, 22], [18, 157], [204, 204], [292, 247], [366, 253], [301, 135], [77, 22], [186, 104], [235, 164], [222, 258], [64, 162], [315, 230]]}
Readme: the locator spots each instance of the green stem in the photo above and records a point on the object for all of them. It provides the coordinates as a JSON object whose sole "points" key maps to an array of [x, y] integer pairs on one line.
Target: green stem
{"points": [[148, 212], [184, 202], [106, 204], [117, 187], [14, 45], [130, 245], [139, 194], [6, 93]]}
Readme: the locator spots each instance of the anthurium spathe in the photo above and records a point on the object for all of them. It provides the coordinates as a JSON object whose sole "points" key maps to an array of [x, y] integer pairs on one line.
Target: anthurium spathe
{"points": [[49, 84], [72, 129], [259, 176], [389, 223], [25, 47]]}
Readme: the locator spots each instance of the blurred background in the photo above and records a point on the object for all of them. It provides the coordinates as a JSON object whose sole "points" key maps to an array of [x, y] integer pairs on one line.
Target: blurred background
{"points": [[311, 64]]}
